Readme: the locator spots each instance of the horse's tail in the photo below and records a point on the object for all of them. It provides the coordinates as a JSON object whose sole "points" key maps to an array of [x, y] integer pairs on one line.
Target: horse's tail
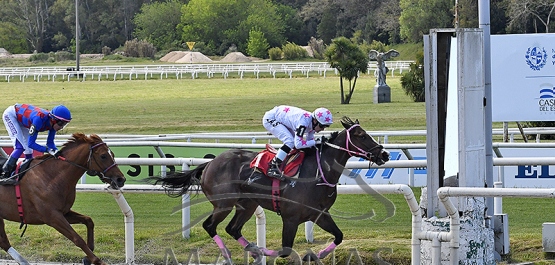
{"points": [[178, 183]]}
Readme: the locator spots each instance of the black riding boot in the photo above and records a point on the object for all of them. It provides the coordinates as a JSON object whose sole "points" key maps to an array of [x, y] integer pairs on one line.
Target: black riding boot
{"points": [[273, 169], [7, 169]]}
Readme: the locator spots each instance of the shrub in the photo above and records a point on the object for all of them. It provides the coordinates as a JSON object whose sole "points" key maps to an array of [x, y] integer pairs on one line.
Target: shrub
{"points": [[275, 53], [136, 48], [106, 50], [293, 51], [39, 57], [257, 45], [413, 81], [64, 56], [116, 57]]}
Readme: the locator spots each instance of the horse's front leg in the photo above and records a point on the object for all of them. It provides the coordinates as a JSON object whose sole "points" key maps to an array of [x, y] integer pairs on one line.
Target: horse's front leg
{"points": [[62, 225], [77, 218], [328, 224]]}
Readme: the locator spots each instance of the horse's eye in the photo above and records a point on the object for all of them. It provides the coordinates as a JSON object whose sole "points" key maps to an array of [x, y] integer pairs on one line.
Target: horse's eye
{"points": [[103, 156]]}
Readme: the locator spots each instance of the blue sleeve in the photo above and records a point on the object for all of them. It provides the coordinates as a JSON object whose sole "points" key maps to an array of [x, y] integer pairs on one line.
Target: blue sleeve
{"points": [[50, 139], [33, 133], [32, 142]]}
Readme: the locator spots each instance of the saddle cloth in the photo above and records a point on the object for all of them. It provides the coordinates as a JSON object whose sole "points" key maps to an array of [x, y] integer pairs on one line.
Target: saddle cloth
{"points": [[290, 166]]}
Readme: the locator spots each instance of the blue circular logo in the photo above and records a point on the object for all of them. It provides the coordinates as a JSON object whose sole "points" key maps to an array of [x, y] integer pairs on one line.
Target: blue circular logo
{"points": [[536, 58]]}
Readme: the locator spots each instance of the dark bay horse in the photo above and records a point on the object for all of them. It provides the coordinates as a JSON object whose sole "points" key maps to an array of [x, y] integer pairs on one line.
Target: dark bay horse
{"points": [[47, 191], [228, 182]]}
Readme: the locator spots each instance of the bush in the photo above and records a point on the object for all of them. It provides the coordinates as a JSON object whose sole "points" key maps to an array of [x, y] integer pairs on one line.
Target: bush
{"points": [[39, 57], [136, 48], [257, 45], [275, 53], [115, 57], [64, 56], [293, 51], [106, 50], [413, 81]]}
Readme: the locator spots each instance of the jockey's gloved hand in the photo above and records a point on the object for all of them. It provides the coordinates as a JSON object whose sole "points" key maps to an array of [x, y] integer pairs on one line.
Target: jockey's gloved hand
{"points": [[53, 152], [321, 140]]}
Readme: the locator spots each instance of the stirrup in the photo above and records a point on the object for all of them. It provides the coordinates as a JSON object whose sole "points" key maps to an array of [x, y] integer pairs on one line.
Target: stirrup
{"points": [[275, 174], [7, 181]]}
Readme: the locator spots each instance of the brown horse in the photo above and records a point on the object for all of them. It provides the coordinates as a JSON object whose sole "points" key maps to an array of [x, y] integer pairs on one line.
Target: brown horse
{"points": [[228, 181], [47, 191]]}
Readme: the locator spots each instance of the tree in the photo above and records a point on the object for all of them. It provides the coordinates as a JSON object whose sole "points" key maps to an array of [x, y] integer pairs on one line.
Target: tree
{"points": [[326, 28], [257, 45], [157, 23], [531, 14], [349, 60], [222, 23], [31, 15], [419, 16], [413, 80]]}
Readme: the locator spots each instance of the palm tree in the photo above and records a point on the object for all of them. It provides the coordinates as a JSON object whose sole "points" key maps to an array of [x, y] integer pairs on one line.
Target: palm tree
{"points": [[349, 60]]}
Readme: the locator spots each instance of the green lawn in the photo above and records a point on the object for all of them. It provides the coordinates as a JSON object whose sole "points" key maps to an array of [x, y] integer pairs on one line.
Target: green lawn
{"points": [[222, 105]]}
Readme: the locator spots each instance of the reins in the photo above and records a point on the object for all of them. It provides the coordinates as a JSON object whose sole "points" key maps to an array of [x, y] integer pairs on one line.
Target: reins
{"points": [[351, 153], [89, 171], [348, 141]]}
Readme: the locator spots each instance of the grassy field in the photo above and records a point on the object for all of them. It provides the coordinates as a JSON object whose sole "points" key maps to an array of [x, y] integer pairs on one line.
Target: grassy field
{"points": [[212, 105]]}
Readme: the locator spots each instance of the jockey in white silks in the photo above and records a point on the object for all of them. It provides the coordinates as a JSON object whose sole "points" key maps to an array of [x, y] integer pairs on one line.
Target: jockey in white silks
{"points": [[295, 128]]}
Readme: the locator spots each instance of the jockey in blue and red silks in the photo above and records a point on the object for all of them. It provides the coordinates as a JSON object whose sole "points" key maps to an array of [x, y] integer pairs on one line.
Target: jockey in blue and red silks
{"points": [[23, 123], [295, 128]]}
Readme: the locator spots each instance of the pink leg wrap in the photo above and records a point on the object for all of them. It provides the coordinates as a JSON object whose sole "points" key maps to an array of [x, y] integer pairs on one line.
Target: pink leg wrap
{"points": [[221, 245], [323, 253], [270, 253], [243, 241]]}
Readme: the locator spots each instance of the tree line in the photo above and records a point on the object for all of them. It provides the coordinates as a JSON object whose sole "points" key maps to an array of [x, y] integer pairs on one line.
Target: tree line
{"points": [[219, 26]]}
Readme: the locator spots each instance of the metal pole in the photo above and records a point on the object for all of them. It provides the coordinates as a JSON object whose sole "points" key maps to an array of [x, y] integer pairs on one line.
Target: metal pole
{"points": [[484, 21], [77, 34]]}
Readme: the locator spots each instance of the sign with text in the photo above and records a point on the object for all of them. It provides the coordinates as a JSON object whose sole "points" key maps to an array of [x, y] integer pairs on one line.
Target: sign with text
{"points": [[523, 77]]}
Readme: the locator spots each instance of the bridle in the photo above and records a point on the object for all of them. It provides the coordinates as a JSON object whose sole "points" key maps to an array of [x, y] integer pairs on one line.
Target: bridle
{"points": [[360, 152], [89, 162]]}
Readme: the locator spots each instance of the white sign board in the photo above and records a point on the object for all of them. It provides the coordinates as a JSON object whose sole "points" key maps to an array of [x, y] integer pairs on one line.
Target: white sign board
{"points": [[523, 77]]}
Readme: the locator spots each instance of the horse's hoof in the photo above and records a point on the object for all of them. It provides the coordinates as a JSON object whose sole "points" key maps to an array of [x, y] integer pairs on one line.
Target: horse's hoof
{"points": [[86, 261], [310, 257]]}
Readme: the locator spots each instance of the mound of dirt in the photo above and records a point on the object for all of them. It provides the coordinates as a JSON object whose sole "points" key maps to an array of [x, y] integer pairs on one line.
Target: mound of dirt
{"points": [[235, 57], [168, 56], [194, 57], [185, 57]]}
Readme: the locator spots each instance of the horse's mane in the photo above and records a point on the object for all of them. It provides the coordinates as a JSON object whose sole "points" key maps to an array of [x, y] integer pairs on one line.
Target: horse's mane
{"points": [[78, 138]]}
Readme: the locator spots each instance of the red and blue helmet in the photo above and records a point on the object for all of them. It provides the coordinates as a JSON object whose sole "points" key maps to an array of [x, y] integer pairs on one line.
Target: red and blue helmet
{"points": [[61, 113]]}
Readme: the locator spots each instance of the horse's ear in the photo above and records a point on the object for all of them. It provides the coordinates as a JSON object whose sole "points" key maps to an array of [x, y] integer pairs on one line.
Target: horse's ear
{"points": [[347, 122]]}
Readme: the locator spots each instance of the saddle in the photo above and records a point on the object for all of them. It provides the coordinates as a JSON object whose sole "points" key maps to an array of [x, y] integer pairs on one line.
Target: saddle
{"points": [[20, 167], [290, 166]]}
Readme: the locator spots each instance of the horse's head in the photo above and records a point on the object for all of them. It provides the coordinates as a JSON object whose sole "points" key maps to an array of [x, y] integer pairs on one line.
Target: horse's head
{"points": [[100, 161], [103, 164], [361, 144]]}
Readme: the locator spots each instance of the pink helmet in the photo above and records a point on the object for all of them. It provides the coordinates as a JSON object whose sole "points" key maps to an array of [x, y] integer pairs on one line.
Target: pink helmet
{"points": [[323, 116]]}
